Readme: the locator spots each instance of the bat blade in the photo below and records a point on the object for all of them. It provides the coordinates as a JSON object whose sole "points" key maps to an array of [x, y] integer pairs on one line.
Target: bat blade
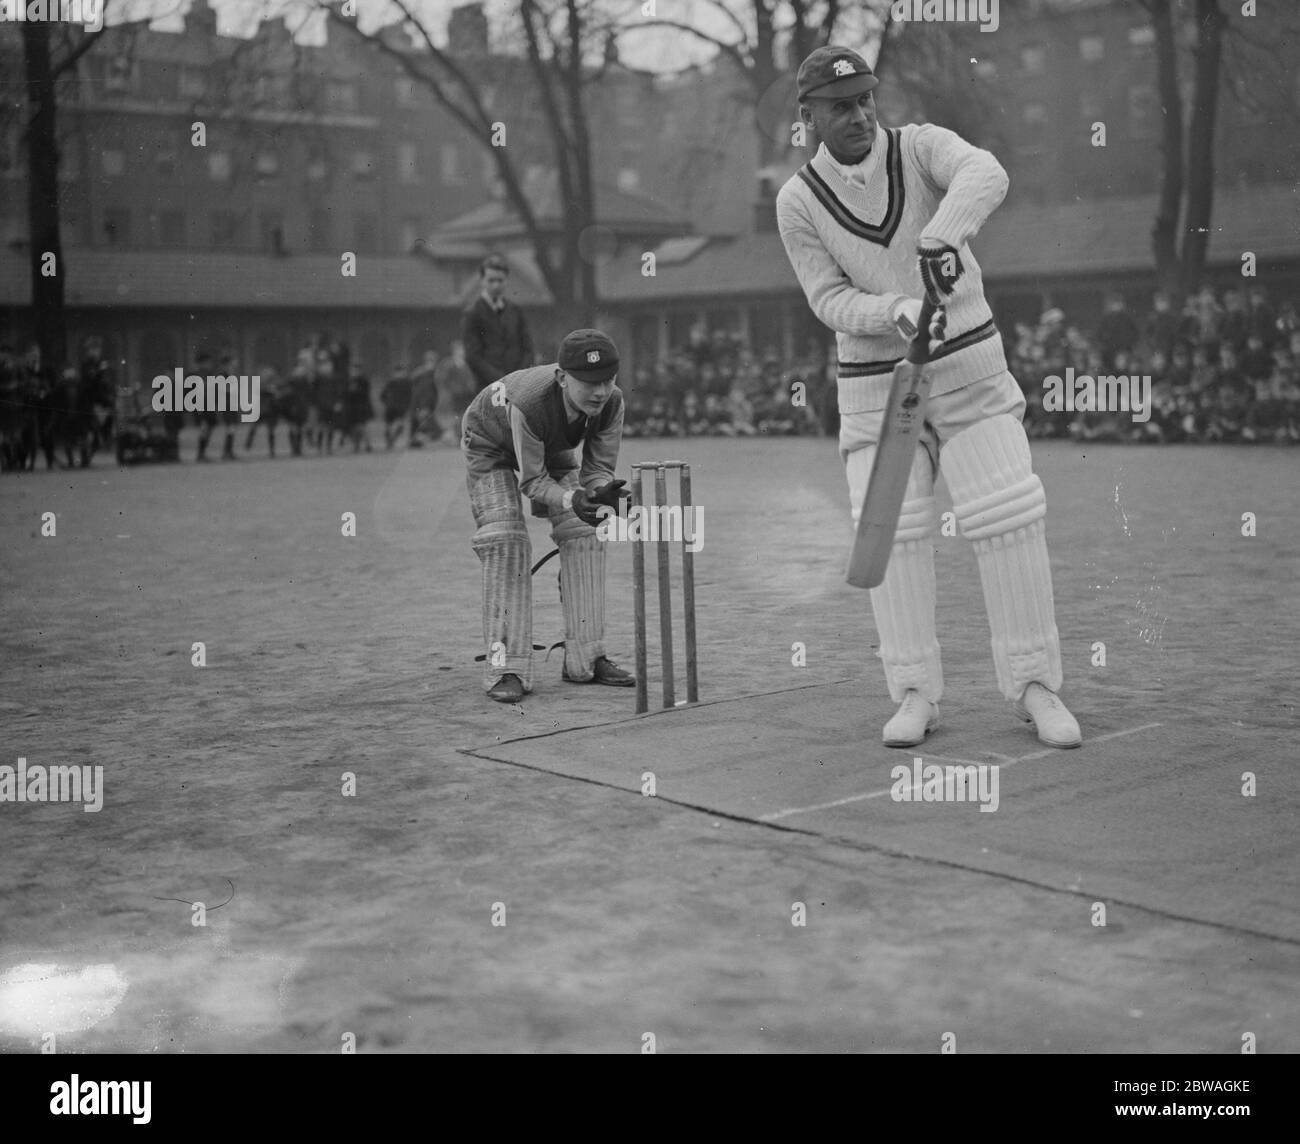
{"points": [[909, 394]]}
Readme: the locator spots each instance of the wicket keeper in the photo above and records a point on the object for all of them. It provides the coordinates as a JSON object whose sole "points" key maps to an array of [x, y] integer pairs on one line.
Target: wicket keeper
{"points": [[522, 434], [878, 217]]}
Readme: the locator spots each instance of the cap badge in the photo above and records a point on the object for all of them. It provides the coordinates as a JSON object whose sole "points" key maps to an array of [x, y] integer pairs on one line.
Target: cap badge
{"points": [[843, 67], [593, 356]]}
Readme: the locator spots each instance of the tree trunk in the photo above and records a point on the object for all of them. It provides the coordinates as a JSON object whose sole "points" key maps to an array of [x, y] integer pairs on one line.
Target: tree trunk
{"points": [[1164, 234], [48, 319], [1200, 147]]}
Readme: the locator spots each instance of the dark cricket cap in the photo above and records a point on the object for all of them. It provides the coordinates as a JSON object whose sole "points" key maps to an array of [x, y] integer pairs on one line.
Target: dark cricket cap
{"points": [[588, 355], [832, 73]]}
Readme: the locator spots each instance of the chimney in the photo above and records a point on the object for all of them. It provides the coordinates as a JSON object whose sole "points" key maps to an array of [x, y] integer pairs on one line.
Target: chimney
{"points": [[467, 33], [201, 19]]}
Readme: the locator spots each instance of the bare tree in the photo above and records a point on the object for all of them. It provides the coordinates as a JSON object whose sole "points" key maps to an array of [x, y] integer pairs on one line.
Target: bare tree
{"points": [[1221, 50], [562, 44], [48, 58], [763, 37]]}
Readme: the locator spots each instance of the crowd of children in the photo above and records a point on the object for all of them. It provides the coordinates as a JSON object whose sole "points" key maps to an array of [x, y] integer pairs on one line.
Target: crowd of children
{"points": [[1223, 368]]}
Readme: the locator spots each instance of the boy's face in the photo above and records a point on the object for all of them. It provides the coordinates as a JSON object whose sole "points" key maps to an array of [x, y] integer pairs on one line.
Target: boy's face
{"points": [[589, 397]]}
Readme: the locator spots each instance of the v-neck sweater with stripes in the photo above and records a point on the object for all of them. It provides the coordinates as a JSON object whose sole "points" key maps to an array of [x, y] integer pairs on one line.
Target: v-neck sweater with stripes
{"points": [[853, 250]]}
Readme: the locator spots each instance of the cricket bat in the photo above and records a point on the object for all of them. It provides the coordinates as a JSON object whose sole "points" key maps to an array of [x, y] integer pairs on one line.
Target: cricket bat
{"points": [[909, 393]]}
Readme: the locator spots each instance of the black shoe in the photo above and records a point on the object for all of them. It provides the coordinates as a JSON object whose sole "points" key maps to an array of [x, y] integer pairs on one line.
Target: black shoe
{"points": [[607, 672], [507, 689]]}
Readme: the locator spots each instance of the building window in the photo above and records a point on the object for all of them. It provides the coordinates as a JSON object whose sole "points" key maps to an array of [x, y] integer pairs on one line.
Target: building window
{"points": [[1092, 49], [341, 95], [1091, 106], [412, 234], [160, 80], [363, 164], [11, 154], [271, 226], [449, 165], [1142, 109], [316, 168], [318, 236], [1140, 39], [225, 229], [365, 232], [117, 75], [267, 165], [1035, 116], [1033, 59], [165, 162], [986, 70], [114, 162], [171, 228], [117, 226], [408, 169], [193, 82], [629, 179], [404, 87], [219, 166]]}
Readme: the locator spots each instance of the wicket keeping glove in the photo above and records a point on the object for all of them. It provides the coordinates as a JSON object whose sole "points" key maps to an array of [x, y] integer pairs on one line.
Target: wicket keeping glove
{"points": [[940, 268], [587, 507], [612, 493]]}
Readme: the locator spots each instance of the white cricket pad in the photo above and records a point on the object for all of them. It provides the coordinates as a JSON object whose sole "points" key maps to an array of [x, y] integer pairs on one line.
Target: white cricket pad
{"points": [[1000, 506], [904, 602], [582, 593], [506, 556]]}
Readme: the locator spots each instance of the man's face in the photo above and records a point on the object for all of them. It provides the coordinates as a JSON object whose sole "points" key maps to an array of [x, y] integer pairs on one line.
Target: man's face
{"points": [[847, 125], [494, 283], [588, 396]]}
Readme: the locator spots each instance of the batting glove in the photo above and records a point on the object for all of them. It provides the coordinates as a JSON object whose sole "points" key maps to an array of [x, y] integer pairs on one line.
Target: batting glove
{"points": [[906, 315], [940, 268]]}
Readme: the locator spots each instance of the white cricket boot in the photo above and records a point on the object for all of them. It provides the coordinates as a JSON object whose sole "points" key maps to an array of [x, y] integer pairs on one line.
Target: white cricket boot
{"points": [[916, 717], [1055, 725]]}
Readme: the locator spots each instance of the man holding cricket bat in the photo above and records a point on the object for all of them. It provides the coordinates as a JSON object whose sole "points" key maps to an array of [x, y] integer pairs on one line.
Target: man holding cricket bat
{"points": [[876, 227]]}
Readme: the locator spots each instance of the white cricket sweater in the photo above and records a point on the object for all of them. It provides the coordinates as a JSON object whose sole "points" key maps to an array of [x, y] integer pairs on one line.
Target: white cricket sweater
{"points": [[853, 250]]}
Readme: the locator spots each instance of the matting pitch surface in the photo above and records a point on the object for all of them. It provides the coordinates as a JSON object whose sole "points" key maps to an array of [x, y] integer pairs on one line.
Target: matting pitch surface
{"points": [[1146, 813]]}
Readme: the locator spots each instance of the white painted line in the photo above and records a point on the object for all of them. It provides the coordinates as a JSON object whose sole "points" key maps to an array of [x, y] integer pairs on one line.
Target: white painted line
{"points": [[1009, 762]]}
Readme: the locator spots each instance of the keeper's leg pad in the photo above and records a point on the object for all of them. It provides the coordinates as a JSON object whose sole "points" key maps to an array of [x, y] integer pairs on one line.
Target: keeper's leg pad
{"points": [[506, 555], [582, 592], [1000, 507], [904, 602]]}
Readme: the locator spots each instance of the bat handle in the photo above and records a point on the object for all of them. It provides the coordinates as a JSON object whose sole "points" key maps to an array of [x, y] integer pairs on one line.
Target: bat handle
{"points": [[918, 353]]}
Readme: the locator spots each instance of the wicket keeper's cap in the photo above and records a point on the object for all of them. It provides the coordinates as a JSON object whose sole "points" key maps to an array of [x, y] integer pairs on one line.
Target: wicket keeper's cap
{"points": [[589, 356], [832, 73]]}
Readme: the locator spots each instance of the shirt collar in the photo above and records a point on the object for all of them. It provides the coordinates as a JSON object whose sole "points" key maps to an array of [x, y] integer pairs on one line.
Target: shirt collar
{"points": [[855, 174], [497, 306]]}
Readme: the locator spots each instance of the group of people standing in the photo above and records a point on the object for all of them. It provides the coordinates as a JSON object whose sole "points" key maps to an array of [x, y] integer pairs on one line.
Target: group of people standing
{"points": [[49, 412]]}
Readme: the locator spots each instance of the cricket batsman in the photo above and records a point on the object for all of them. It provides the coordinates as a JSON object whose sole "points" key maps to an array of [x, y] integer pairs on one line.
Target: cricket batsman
{"points": [[878, 218], [522, 434]]}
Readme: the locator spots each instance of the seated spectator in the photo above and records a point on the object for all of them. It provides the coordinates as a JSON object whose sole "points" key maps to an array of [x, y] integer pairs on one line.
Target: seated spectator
{"points": [[1256, 362], [741, 412]]}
